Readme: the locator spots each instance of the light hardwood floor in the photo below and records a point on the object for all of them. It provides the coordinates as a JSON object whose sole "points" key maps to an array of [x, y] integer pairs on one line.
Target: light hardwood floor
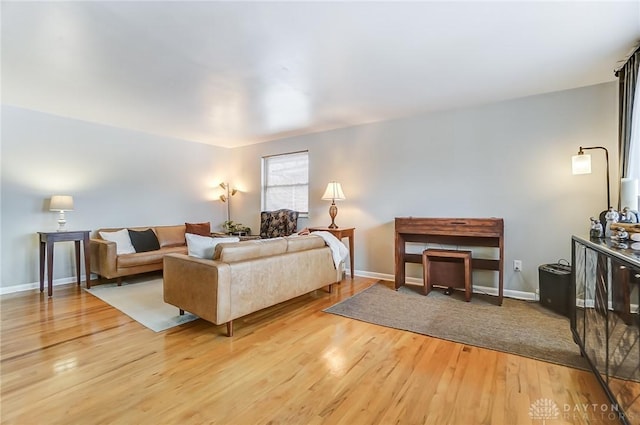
{"points": [[72, 359]]}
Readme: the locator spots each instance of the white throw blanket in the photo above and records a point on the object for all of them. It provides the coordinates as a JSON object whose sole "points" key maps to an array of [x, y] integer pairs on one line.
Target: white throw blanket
{"points": [[338, 250]]}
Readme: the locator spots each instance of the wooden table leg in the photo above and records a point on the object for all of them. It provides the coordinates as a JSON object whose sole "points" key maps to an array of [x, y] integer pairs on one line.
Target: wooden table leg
{"points": [[77, 246], [501, 272], [50, 267], [351, 243], [42, 264], [399, 260], [426, 279], [467, 278], [87, 256]]}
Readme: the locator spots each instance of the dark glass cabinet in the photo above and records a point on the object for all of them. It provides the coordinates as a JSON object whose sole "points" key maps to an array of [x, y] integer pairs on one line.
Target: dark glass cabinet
{"points": [[605, 320]]}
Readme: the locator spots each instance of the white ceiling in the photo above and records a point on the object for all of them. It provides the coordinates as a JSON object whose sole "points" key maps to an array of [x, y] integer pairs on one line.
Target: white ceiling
{"points": [[237, 73]]}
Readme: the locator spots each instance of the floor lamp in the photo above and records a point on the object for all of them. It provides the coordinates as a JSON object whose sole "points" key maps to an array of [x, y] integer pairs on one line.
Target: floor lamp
{"points": [[581, 164], [226, 197]]}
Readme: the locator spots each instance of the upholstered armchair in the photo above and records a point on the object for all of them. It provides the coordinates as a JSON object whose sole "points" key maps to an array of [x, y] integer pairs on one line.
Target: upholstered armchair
{"points": [[278, 223]]}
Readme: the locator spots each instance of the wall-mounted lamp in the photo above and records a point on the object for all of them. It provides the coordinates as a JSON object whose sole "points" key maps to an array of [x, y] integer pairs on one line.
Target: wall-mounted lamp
{"points": [[226, 197], [333, 193], [581, 164], [61, 203]]}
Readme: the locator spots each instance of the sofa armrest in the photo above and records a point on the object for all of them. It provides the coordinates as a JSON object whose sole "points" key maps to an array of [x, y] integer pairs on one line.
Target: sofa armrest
{"points": [[199, 286], [103, 257]]}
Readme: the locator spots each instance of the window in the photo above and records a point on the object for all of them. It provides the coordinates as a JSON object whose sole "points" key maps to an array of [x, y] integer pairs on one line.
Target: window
{"points": [[285, 182], [633, 170]]}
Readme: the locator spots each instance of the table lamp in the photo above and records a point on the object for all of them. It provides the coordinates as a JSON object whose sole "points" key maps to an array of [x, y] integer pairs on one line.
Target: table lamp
{"points": [[61, 203], [333, 193]]}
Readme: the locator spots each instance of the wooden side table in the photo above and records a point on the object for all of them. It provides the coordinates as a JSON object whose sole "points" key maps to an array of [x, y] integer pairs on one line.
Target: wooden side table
{"points": [[343, 232], [47, 239]]}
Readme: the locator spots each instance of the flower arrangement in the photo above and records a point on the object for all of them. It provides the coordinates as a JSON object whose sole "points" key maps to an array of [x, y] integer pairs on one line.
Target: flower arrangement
{"points": [[231, 227]]}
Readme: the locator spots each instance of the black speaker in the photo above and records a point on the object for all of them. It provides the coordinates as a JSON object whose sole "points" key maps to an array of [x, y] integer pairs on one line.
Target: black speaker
{"points": [[555, 287]]}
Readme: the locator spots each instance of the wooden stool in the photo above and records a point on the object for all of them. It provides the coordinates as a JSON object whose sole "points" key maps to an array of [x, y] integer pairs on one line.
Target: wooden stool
{"points": [[446, 267]]}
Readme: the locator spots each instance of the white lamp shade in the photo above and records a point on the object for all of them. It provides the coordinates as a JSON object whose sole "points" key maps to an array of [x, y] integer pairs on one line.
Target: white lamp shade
{"points": [[581, 164], [334, 192], [61, 203]]}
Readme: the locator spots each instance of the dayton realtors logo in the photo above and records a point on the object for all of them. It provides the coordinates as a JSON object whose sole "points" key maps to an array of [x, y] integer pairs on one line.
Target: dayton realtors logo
{"points": [[544, 409]]}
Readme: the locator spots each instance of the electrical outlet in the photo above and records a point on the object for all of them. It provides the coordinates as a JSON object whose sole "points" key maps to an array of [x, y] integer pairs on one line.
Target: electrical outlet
{"points": [[517, 265]]}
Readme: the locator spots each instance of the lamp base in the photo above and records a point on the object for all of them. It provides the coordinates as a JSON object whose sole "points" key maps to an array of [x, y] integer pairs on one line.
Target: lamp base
{"points": [[333, 212], [61, 222]]}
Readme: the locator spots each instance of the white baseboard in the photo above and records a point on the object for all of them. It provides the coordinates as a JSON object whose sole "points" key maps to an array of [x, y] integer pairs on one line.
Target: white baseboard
{"points": [[36, 285], [509, 293]]}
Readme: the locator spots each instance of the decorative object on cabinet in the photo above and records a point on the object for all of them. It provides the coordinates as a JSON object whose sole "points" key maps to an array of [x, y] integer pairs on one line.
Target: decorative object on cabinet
{"points": [[605, 320], [333, 193], [627, 215], [61, 203], [596, 228], [611, 217]]}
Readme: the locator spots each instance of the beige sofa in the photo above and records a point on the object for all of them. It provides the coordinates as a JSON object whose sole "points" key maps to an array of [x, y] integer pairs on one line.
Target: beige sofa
{"points": [[107, 264], [244, 277]]}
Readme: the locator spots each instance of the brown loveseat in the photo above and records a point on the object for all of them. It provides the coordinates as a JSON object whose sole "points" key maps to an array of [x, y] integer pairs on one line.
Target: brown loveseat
{"points": [[244, 277], [107, 264]]}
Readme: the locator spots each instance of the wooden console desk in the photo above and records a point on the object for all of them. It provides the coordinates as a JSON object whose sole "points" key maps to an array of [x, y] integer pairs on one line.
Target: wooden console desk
{"points": [[485, 232]]}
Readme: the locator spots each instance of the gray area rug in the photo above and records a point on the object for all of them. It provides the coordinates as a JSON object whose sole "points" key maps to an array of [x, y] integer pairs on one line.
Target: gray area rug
{"points": [[517, 327], [143, 301]]}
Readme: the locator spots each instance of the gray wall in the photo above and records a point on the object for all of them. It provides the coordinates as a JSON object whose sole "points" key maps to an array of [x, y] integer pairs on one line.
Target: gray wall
{"points": [[511, 160], [117, 178]]}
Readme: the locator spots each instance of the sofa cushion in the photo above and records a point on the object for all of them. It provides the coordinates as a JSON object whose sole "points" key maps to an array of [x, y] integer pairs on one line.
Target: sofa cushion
{"points": [[143, 241], [204, 246], [303, 243], [149, 257], [202, 229], [247, 250], [170, 235], [121, 239]]}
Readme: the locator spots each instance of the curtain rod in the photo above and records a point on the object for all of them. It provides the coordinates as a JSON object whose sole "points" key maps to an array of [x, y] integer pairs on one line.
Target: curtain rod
{"points": [[624, 61]]}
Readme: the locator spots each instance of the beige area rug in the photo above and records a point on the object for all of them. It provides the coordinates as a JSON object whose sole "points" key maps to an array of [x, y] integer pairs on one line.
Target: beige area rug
{"points": [[143, 302], [517, 327]]}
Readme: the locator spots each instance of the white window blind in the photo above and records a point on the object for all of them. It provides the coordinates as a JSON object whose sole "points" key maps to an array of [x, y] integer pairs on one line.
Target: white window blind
{"points": [[285, 182]]}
